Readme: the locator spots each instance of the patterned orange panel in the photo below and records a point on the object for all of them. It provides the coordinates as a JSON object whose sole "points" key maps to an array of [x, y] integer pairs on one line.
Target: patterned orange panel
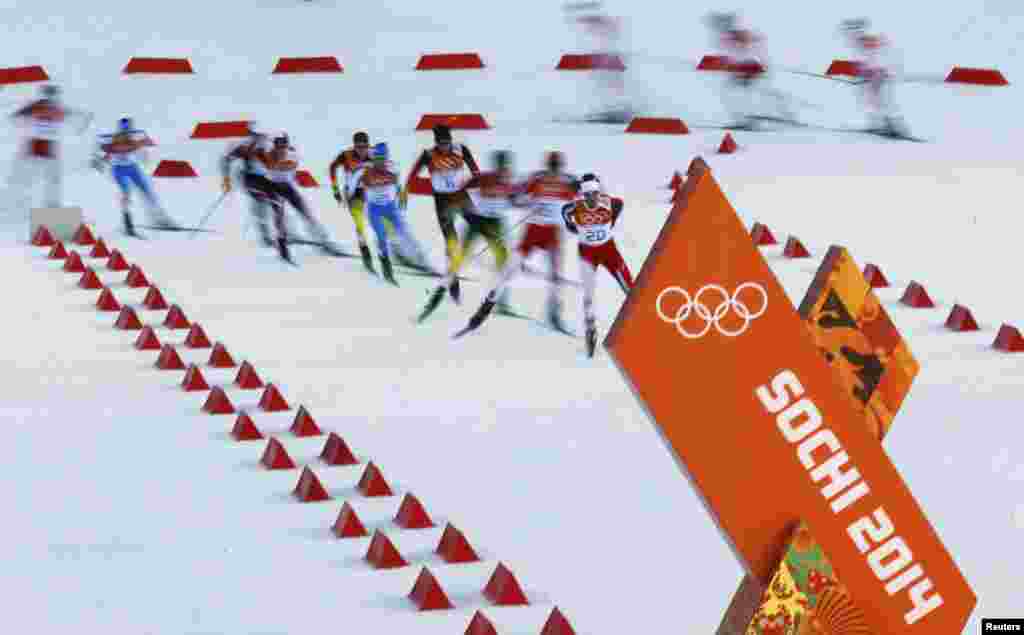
{"points": [[805, 597], [858, 339]]}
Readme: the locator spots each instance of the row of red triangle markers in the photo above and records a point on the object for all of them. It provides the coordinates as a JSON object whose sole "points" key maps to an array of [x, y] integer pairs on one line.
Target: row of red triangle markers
{"points": [[502, 589], [960, 319]]}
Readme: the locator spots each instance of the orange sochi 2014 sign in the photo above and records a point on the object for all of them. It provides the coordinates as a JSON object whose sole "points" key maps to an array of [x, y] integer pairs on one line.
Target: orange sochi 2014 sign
{"points": [[716, 352]]}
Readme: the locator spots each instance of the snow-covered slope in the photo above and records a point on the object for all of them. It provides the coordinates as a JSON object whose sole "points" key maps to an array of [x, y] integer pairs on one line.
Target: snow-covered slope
{"points": [[129, 511]]}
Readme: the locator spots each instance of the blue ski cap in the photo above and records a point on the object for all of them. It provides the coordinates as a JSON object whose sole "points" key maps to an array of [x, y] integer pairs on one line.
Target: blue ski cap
{"points": [[124, 124], [380, 151]]}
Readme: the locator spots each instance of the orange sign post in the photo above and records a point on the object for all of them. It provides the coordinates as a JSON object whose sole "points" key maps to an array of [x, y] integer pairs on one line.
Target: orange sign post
{"points": [[728, 371]]}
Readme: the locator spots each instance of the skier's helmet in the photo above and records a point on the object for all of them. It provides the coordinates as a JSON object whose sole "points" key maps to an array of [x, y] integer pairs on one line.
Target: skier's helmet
{"points": [[442, 134], [590, 190], [50, 91], [502, 160], [282, 140], [125, 124], [554, 161], [360, 138]]}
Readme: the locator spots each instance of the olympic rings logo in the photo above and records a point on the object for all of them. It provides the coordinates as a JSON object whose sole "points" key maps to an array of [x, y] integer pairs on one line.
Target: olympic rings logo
{"points": [[593, 219], [712, 317]]}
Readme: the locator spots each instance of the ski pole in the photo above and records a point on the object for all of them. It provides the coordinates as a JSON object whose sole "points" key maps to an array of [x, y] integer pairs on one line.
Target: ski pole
{"points": [[209, 212]]}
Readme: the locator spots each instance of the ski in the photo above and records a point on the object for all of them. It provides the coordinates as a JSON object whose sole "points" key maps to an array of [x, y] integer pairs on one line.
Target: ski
{"points": [[338, 253], [159, 228], [515, 315], [412, 271]]}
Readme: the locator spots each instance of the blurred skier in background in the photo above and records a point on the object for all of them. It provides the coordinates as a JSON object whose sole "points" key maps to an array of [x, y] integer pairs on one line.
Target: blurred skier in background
{"points": [[603, 36], [874, 76], [747, 66], [39, 158], [125, 152]]}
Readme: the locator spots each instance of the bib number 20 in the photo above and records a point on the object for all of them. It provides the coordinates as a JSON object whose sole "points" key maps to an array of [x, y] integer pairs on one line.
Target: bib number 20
{"points": [[595, 235]]}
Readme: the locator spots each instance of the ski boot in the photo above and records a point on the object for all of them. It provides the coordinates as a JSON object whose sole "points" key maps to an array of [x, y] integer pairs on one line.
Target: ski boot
{"points": [[591, 338], [436, 297], [283, 251], [364, 251], [129, 225], [478, 318], [385, 267], [455, 290]]}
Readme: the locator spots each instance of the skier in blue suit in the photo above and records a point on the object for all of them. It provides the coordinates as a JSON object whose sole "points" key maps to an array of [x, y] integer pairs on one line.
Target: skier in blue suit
{"points": [[124, 152]]}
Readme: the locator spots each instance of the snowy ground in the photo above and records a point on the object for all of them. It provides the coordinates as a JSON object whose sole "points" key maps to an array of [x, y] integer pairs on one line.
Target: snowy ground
{"points": [[129, 511]]}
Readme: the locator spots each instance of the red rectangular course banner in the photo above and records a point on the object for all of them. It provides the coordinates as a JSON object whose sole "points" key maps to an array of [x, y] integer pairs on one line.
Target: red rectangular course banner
{"points": [[716, 352]]}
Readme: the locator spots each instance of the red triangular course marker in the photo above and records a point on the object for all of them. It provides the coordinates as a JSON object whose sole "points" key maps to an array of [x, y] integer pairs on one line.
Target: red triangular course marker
{"points": [[676, 182], [304, 426], [90, 280], [961, 320], [874, 277], [348, 524], [247, 379], [218, 403], [427, 594], [169, 359], [275, 457], [454, 548], [272, 401], [57, 252], [176, 318], [916, 296], [43, 237], [411, 514], [762, 236], [136, 279], [337, 452], [557, 624], [154, 300], [382, 553], [1009, 339], [795, 249], [117, 262], [220, 357], [99, 250], [196, 337], [503, 589], [245, 429], [372, 482], [147, 340], [194, 380], [107, 301], [83, 236], [73, 263], [728, 145], [309, 489], [127, 320], [480, 625]]}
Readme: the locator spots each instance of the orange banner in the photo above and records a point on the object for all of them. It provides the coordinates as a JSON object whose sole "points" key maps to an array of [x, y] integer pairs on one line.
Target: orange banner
{"points": [[714, 349]]}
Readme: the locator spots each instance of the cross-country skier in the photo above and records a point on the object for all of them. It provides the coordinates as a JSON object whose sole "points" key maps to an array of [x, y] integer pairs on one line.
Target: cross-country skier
{"points": [[123, 151], [549, 191], [747, 68], [592, 219], [40, 156], [446, 162], [265, 202], [874, 76], [282, 163], [498, 192], [381, 183], [351, 160]]}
